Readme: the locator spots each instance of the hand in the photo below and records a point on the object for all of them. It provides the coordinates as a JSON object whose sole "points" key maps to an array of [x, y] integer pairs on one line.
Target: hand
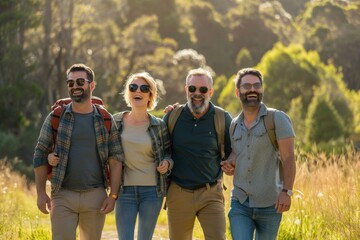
{"points": [[169, 108], [53, 159], [108, 205], [283, 203], [228, 166], [44, 203], [163, 167]]}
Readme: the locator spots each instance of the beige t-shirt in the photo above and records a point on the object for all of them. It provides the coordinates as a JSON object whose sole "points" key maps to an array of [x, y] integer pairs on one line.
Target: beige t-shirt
{"points": [[140, 169]]}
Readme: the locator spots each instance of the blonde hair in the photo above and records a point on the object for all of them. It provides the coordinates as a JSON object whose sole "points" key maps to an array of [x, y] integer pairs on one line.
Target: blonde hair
{"points": [[153, 89]]}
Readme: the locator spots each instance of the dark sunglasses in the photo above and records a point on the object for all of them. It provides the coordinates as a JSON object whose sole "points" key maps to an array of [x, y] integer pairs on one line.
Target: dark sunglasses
{"points": [[80, 82], [248, 86], [143, 88], [203, 90]]}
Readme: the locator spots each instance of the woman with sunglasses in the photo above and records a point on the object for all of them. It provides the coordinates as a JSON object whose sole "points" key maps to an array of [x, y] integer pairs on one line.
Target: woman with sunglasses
{"points": [[146, 159]]}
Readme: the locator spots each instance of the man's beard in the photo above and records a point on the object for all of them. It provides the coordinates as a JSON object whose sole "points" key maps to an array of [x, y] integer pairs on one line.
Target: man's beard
{"points": [[80, 98], [251, 103], [198, 108]]}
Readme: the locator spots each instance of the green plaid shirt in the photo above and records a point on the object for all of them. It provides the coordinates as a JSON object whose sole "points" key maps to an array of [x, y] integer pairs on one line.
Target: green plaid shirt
{"points": [[108, 145], [160, 141]]}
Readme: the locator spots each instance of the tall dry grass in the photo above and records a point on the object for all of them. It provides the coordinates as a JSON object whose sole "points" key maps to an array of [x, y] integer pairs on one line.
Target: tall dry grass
{"points": [[19, 216], [325, 205]]}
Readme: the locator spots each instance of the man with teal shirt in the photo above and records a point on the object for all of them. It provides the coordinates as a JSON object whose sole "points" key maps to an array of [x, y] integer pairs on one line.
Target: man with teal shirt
{"points": [[196, 188]]}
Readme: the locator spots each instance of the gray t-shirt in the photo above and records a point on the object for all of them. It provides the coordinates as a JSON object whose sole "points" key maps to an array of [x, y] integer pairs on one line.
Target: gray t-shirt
{"points": [[83, 170], [257, 175]]}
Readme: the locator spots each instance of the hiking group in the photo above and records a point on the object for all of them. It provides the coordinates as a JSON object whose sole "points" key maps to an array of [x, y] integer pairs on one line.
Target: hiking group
{"points": [[130, 161]]}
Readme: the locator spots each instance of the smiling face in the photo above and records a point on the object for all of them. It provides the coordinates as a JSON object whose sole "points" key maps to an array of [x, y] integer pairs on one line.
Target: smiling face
{"points": [[198, 102], [252, 97], [80, 93], [140, 97]]}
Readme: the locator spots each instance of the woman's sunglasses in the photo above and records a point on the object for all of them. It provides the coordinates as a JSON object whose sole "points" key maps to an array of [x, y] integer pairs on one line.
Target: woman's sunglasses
{"points": [[80, 82], [143, 88], [202, 90]]}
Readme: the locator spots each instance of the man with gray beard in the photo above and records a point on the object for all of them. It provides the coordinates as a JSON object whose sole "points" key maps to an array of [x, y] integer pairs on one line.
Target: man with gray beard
{"points": [[263, 173], [196, 189]]}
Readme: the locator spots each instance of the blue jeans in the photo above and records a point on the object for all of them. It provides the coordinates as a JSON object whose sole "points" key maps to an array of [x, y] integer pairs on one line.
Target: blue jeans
{"points": [[134, 201], [244, 220]]}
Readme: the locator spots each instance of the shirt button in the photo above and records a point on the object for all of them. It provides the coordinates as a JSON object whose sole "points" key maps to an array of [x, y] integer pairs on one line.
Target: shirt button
{"points": [[195, 125]]}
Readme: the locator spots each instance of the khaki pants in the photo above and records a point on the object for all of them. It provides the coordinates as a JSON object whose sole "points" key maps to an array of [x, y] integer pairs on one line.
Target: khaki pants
{"points": [[207, 204], [72, 208]]}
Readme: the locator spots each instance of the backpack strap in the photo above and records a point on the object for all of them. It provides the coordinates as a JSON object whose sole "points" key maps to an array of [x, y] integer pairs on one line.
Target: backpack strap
{"points": [[269, 121], [174, 115], [270, 127], [219, 120], [55, 120], [105, 115]]}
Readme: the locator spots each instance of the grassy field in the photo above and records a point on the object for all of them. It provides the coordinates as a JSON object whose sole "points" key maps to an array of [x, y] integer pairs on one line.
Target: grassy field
{"points": [[326, 203]]}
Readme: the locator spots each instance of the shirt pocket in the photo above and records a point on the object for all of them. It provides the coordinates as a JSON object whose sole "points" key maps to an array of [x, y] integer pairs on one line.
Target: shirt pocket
{"points": [[261, 138], [238, 142]]}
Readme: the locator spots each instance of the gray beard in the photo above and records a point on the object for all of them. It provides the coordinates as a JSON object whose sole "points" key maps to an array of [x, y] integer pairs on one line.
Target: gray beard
{"points": [[198, 109]]}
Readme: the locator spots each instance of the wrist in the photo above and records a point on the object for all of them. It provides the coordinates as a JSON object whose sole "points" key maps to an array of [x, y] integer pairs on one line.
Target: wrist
{"points": [[289, 192], [113, 196]]}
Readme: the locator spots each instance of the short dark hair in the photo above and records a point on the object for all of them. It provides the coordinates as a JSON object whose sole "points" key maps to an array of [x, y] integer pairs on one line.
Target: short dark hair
{"points": [[247, 71], [80, 67]]}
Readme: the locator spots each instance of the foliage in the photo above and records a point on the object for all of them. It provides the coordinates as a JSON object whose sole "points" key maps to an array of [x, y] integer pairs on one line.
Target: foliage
{"points": [[219, 84], [19, 216], [298, 45], [244, 59], [248, 30], [321, 117], [294, 7], [296, 115], [289, 72], [207, 24], [228, 98], [339, 46]]}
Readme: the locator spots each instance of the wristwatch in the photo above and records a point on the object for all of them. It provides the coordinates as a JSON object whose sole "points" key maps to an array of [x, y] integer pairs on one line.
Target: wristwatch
{"points": [[288, 192], [114, 196]]}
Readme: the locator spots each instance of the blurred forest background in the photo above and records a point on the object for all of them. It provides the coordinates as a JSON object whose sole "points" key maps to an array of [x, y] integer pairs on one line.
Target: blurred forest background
{"points": [[308, 51]]}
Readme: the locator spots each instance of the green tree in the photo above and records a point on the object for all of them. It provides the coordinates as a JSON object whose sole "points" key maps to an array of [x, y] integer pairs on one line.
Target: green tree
{"points": [[211, 36], [323, 122], [297, 118], [228, 99], [332, 28], [289, 72], [248, 30], [219, 84], [294, 7], [244, 59]]}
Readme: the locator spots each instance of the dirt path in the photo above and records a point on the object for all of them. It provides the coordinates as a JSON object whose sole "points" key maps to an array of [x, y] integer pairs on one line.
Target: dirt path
{"points": [[161, 233]]}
